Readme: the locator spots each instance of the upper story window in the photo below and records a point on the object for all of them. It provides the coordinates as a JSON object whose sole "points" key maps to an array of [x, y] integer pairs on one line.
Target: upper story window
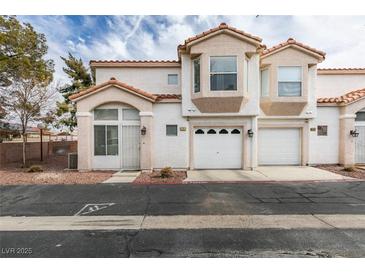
{"points": [[196, 73], [223, 73], [105, 114], [264, 83], [289, 81], [172, 79]]}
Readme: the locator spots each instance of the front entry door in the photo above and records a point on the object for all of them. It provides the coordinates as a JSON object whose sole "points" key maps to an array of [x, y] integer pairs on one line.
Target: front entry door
{"points": [[130, 147]]}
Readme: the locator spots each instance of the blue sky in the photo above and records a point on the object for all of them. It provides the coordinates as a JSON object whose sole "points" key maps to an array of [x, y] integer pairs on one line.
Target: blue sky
{"points": [[156, 37]]}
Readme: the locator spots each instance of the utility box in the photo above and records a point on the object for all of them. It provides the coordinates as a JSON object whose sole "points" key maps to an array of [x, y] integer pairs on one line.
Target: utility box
{"points": [[72, 161]]}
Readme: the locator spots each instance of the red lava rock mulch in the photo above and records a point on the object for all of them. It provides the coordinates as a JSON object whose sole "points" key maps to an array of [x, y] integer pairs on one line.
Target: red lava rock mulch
{"points": [[53, 173], [154, 178], [356, 173]]}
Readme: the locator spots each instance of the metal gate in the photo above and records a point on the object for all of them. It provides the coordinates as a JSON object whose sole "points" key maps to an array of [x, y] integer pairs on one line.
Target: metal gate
{"points": [[130, 147], [360, 145]]}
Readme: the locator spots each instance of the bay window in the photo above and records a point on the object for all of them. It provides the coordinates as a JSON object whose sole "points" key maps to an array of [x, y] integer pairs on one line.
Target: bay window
{"points": [[290, 81], [223, 73]]}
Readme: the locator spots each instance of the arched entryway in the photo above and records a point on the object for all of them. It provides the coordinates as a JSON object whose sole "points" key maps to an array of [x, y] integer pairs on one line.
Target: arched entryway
{"points": [[116, 137], [352, 121], [360, 139], [117, 107]]}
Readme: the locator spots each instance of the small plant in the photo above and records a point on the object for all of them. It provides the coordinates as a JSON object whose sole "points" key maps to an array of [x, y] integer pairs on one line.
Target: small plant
{"points": [[35, 168], [349, 169], [166, 172]]}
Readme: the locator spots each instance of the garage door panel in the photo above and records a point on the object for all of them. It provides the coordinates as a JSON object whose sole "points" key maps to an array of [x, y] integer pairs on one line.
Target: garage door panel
{"points": [[279, 146], [217, 151]]}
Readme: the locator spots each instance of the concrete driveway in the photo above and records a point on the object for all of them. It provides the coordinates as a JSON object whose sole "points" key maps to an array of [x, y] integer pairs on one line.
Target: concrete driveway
{"points": [[267, 173]]}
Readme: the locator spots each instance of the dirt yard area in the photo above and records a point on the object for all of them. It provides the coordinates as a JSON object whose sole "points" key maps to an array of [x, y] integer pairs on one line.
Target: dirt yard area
{"points": [[357, 172], [155, 178], [53, 173]]}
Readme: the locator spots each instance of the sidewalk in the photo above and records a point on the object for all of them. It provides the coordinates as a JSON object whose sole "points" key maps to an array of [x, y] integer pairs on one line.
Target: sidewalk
{"points": [[304, 221]]}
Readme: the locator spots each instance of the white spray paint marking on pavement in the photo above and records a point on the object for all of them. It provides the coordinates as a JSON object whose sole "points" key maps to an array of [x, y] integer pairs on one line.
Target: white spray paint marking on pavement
{"points": [[90, 208]]}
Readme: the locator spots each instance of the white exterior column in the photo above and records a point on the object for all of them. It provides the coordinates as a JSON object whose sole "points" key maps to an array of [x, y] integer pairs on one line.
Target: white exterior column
{"points": [[347, 142], [254, 147], [84, 146]]}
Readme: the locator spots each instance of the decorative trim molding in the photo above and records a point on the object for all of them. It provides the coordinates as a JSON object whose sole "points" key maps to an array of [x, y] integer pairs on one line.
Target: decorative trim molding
{"points": [[145, 113], [348, 116]]}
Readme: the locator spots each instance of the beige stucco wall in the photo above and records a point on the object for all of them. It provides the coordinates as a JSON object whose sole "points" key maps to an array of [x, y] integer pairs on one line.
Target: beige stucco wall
{"points": [[347, 123], [153, 80], [172, 151], [272, 105], [86, 105], [222, 45], [337, 85], [325, 149]]}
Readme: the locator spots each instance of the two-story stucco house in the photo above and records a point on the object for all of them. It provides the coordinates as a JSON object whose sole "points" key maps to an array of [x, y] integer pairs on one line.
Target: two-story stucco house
{"points": [[228, 102]]}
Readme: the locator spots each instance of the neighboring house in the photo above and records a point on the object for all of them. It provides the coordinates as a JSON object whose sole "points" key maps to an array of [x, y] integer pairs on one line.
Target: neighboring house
{"points": [[228, 102]]}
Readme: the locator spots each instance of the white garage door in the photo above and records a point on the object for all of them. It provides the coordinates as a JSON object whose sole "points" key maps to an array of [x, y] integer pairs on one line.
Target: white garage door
{"points": [[217, 148], [279, 146]]}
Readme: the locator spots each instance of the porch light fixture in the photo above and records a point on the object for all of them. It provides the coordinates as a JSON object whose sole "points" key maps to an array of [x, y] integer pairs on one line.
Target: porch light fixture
{"points": [[250, 133], [354, 133], [143, 130]]}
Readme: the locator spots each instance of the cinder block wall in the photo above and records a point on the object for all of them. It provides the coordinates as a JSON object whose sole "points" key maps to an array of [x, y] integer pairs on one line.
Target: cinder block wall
{"points": [[12, 152]]}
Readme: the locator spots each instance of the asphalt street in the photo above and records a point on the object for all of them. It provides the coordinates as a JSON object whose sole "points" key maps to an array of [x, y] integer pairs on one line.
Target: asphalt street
{"points": [[190, 199], [307, 199]]}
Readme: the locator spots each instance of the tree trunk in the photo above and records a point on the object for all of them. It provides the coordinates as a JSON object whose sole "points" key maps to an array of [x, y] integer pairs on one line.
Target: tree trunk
{"points": [[24, 143]]}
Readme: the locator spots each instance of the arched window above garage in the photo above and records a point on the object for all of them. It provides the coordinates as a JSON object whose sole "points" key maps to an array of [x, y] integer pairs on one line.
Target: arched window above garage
{"points": [[223, 131], [211, 131], [235, 131], [199, 131]]}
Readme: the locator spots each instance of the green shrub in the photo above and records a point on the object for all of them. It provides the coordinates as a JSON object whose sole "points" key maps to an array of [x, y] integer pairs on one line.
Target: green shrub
{"points": [[166, 172], [35, 168]]}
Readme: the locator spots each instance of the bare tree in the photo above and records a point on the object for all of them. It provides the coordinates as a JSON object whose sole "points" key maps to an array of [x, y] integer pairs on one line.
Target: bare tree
{"points": [[27, 102]]}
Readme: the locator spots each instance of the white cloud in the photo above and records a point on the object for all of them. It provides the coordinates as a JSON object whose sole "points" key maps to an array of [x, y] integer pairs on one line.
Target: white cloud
{"points": [[150, 37]]}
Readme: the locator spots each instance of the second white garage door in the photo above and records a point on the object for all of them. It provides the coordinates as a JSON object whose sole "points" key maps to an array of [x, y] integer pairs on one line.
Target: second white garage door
{"points": [[279, 146], [217, 148]]}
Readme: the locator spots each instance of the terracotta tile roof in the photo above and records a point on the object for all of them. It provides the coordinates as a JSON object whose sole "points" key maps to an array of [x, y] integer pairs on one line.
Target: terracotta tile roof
{"points": [[115, 82], [135, 61], [340, 71], [291, 41], [344, 99], [222, 26], [164, 96]]}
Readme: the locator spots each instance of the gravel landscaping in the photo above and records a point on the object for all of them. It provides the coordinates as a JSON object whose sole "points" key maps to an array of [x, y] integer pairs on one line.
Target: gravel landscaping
{"points": [[155, 178], [358, 173], [53, 173]]}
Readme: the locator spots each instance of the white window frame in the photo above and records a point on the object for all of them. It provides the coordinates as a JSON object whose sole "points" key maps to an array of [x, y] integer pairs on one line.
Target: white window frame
{"points": [[236, 72], [200, 78], [120, 123], [177, 130], [301, 79], [177, 79]]}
